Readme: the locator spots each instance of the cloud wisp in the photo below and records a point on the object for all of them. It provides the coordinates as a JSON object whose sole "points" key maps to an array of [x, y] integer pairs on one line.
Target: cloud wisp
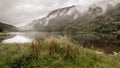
{"points": [[19, 12]]}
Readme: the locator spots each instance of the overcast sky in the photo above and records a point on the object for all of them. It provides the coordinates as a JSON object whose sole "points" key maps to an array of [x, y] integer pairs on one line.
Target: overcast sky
{"points": [[19, 12]]}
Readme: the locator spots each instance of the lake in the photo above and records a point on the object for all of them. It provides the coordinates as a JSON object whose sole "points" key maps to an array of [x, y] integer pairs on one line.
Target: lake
{"points": [[106, 43], [26, 37]]}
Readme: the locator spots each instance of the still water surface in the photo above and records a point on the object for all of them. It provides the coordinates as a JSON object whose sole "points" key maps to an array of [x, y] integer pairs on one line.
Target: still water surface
{"points": [[107, 43]]}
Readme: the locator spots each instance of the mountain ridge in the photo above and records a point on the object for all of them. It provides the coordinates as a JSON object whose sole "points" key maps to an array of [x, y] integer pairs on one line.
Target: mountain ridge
{"points": [[6, 27], [60, 19], [70, 13]]}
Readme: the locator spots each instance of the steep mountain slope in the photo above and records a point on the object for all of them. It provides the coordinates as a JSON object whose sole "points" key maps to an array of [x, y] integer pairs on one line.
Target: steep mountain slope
{"points": [[52, 19], [28, 27], [59, 19], [5, 27], [78, 18], [107, 22]]}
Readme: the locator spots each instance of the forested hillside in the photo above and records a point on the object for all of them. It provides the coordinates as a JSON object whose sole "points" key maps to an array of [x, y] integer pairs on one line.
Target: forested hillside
{"points": [[5, 27]]}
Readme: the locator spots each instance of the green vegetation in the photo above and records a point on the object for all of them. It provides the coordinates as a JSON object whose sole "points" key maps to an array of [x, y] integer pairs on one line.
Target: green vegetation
{"points": [[7, 28], [53, 53], [107, 22]]}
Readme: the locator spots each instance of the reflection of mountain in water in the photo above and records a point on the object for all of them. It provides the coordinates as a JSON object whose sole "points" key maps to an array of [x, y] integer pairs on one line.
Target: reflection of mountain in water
{"points": [[5, 36], [107, 43], [17, 39], [36, 35], [26, 37]]}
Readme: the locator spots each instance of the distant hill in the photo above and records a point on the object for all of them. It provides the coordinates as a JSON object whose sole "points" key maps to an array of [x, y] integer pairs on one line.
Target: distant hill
{"points": [[6, 27]]}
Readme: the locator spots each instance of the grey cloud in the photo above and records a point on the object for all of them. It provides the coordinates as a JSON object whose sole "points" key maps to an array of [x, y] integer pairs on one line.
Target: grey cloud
{"points": [[17, 12]]}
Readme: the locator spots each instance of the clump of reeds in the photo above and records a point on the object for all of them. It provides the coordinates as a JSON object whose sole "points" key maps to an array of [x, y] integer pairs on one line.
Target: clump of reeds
{"points": [[37, 47], [34, 49], [75, 51], [53, 47], [42, 39], [68, 51], [71, 52], [18, 47]]}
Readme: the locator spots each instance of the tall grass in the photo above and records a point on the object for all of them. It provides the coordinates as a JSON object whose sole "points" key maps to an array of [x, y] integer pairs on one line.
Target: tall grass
{"points": [[53, 53]]}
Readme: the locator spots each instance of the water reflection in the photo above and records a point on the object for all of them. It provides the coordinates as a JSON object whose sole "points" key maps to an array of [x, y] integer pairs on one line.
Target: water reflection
{"points": [[106, 43], [5, 36], [26, 37], [17, 39]]}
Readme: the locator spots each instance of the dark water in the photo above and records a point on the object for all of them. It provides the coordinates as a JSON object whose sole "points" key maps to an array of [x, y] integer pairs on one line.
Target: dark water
{"points": [[106, 43]]}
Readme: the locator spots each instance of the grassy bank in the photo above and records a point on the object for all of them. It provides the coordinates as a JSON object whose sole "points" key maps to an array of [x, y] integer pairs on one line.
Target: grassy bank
{"points": [[53, 53]]}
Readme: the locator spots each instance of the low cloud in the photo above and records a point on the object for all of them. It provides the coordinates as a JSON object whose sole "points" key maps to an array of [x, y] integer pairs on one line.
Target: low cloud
{"points": [[17, 12]]}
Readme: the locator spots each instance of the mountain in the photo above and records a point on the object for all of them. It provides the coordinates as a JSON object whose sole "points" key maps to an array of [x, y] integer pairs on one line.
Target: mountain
{"points": [[109, 22], [60, 18], [105, 23], [78, 18], [54, 17], [6, 27]]}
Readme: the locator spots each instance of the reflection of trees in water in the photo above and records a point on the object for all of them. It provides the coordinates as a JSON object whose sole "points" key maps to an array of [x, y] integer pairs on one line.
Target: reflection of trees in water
{"points": [[6, 36], [96, 38], [107, 42], [1, 39], [104, 42], [37, 35]]}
